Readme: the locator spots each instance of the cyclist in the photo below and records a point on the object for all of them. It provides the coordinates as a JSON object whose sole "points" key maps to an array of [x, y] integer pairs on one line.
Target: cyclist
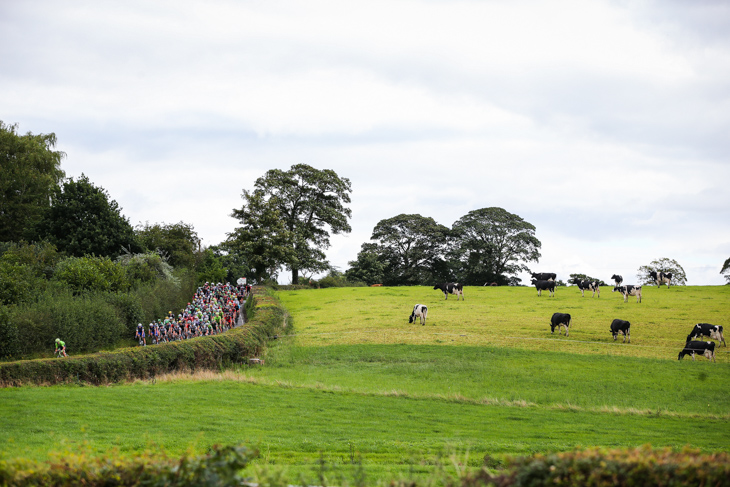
{"points": [[139, 334], [155, 333], [60, 348]]}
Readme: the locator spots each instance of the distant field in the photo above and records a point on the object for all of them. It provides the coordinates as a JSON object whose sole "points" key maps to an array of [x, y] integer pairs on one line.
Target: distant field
{"points": [[509, 317]]}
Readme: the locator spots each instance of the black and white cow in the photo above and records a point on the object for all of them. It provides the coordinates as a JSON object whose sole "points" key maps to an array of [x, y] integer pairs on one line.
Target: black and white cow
{"points": [[544, 285], [544, 276], [629, 290], [698, 348], [661, 278], [559, 320], [707, 330], [621, 326], [451, 288], [617, 279], [587, 285], [419, 311]]}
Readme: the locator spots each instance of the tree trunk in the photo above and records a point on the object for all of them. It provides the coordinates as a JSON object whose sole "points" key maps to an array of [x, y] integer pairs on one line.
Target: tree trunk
{"points": [[295, 276]]}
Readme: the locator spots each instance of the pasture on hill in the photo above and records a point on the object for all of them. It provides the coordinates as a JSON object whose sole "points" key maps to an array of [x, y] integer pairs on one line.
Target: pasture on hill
{"points": [[513, 317]]}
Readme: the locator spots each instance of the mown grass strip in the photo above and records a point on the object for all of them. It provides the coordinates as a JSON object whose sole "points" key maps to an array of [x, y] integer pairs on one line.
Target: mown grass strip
{"points": [[247, 377], [506, 376]]}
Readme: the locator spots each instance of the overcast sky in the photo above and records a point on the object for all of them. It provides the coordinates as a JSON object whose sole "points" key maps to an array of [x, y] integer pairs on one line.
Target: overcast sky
{"points": [[606, 124]]}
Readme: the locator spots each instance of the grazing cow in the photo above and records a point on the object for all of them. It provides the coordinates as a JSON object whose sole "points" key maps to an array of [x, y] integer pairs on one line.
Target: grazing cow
{"points": [[544, 285], [629, 290], [587, 285], [558, 320], [661, 278], [419, 311], [707, 330], [451, 288], [698, 348], [617, 279], [621, 326], [544, 276]]}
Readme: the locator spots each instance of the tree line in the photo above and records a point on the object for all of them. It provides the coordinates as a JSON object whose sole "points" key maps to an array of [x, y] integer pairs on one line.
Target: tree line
{"points": [[64, 232]]}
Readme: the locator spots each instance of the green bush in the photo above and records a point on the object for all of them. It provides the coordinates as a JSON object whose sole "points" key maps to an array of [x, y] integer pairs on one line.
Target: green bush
{"points": [[130, 310], [146, 267], [18, 284], [596, 467], [91, 273], [336, 279], [86, 323], [40, 257], [220, 467], [9, 341]]}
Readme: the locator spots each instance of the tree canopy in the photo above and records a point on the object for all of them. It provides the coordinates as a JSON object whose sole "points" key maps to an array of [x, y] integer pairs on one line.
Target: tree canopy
{"points": [[177, 241], [368, 267], [726, 270], [30, 170], [664, 265], [492, 245], [484, 246], [84, 220], [411, 248], [291, 213]]}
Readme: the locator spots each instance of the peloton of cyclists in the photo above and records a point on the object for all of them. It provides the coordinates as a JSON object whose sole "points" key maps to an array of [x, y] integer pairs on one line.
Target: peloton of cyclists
{"points": [[214, 309]]}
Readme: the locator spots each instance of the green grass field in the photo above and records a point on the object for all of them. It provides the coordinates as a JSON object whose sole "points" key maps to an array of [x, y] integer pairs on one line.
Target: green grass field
{"points": [[484, 377], [509, 317]]}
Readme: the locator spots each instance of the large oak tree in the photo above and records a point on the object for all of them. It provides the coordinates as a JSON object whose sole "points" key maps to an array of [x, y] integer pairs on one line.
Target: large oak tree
{"points": [[295, 211]]}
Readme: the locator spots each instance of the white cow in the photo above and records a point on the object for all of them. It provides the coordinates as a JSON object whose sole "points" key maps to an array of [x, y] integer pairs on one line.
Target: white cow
{"points": [[419, 311]]}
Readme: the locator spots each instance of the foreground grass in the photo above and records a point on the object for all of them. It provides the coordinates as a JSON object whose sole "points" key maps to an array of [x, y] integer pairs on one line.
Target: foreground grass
{"points": [[510, 317], [295, 426]]}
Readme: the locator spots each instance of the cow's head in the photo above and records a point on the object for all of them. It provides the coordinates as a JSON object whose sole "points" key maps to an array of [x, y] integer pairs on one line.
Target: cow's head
{"points": [[411, 318], [620, 289]]}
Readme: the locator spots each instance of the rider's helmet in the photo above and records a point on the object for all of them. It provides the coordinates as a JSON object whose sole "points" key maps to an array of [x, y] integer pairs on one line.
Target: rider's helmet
{"points": [[58, 340]]}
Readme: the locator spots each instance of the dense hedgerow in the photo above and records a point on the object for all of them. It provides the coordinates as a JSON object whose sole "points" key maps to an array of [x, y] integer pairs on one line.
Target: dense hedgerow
{"points": [[597, 467], [223, 466], [87, 321], [213, 352], [220, 467]]}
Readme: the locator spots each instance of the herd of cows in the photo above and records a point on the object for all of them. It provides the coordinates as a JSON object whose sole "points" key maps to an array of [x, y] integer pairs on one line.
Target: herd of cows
{"points": [[547, 282]]}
